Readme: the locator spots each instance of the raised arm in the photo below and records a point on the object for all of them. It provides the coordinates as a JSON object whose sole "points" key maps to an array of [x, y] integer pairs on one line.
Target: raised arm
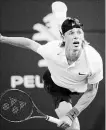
{"points": [[20, 42]]}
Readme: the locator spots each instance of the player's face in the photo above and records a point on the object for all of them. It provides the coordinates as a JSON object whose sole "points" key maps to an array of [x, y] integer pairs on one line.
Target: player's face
{"points": [[74, 39]]}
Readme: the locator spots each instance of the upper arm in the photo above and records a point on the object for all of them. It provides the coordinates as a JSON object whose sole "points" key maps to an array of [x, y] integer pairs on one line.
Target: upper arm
{"points": [[40, 49], [44, 50], [96, 74], [34, 46]]}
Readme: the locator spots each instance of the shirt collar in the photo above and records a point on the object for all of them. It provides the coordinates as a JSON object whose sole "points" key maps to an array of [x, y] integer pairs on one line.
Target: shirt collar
{"points": [[62, 53]]}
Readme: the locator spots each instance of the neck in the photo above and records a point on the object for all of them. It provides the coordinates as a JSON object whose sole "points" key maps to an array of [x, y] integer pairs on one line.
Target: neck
{"points": [[74, 55]]}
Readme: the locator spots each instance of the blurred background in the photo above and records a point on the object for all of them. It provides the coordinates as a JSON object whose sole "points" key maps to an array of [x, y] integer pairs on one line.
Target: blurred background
{"points": [[23, 69]]}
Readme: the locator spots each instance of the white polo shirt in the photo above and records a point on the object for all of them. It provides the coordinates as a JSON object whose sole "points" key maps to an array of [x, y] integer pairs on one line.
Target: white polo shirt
{"points": [[87, 69]]}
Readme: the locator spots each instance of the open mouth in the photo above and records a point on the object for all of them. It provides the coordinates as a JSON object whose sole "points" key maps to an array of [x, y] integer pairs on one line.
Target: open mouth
{"points": [[76, 43]]}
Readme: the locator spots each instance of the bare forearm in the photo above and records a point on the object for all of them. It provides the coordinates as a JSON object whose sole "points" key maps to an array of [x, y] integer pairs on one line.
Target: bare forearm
{"points": [[86, 98], [84, 101], [16, 41]]}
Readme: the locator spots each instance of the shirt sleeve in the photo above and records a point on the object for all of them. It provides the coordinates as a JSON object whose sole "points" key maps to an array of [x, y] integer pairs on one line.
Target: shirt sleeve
{"points": [[44, 50], [41, 50], [96, 71]]}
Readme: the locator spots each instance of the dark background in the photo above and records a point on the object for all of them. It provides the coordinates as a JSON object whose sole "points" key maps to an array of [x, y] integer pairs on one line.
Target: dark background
{"points": [[17, 18]]}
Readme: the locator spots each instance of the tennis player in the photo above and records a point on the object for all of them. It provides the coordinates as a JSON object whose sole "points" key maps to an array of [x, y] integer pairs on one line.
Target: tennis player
{"points": [[74, 67]]}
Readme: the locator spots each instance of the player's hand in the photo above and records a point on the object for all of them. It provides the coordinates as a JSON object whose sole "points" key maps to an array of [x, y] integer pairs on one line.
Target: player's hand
{"points": [[65, 122]]}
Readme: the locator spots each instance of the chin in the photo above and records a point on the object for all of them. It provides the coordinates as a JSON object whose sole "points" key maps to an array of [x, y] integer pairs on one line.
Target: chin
{"points": [[76, 49]]}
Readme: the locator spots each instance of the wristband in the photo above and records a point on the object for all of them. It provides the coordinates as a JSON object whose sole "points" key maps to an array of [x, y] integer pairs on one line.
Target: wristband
{"points": [[73, 113]]}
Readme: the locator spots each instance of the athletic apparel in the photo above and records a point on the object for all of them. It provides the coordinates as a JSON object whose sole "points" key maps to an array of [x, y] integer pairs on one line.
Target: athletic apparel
{"points": [[69, 24], [58, 93], [75, 77]]}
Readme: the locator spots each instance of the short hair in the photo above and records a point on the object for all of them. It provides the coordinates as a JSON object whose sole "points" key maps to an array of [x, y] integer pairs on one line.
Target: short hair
{"points": [[70, 23]]}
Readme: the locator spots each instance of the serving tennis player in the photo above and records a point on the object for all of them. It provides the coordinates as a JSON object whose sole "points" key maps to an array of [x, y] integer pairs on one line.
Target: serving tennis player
{"points": [[74, 67]]}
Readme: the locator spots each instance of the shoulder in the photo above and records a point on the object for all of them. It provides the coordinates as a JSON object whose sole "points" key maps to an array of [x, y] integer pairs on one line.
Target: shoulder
{"points": [[94, 58], [95, 64], [55, 43], [48, 48], [50, 44], [92, 53]]}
